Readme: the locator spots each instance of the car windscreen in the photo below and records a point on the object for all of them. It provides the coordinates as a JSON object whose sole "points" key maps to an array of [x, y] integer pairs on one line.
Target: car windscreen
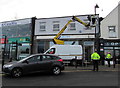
{"points": [[51, 51]]}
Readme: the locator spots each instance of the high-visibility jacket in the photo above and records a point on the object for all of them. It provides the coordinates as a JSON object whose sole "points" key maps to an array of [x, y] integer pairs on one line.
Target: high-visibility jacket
{"points": [[108, 56], [95, 56]]}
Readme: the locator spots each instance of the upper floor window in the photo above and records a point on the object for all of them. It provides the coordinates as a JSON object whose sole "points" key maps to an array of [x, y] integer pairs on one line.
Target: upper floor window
{"points": [[112, 32], [56, 25], [111, 28], [42, 26], [72, 26]]}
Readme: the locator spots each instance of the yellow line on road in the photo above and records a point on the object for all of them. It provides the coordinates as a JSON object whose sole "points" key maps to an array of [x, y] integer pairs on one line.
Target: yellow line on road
{"points": [[88, 70], [76, 70]]}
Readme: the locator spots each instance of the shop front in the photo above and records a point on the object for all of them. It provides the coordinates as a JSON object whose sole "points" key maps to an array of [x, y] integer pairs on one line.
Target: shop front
{"points": [[14, 47], [45, 42], [111, 46], [17, 34]]}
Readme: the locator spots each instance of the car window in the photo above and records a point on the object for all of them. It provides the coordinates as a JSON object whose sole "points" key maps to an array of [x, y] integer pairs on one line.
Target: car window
{"points": [[55, 57], [46, 57], [51, 51], [34, 59]]}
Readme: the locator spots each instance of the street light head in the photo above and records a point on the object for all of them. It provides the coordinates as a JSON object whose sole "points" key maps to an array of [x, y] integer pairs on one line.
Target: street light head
{"points": [[96, 6]]}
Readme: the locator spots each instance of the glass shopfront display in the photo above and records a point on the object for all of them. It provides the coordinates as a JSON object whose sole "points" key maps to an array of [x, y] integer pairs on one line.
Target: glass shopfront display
{"points": [[111, 46], [18, 36]]}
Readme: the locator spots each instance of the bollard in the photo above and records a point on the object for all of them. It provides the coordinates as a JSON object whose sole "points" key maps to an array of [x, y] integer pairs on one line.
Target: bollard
{"points": [[76, 62]]}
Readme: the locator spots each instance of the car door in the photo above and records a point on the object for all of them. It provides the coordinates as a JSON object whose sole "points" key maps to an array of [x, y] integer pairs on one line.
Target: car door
{"points": [[45, 63], [31, 64]]}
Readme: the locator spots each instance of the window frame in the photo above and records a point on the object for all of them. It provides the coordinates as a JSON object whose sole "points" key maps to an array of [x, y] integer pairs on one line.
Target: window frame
{"points": [[56, 25], [112, 30], [42, 26], [71, 27]]}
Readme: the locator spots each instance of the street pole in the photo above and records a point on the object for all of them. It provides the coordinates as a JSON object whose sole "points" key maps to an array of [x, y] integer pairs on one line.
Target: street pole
{"points": [[16, 51], [95, 43], [3, 58], [32, 34]]}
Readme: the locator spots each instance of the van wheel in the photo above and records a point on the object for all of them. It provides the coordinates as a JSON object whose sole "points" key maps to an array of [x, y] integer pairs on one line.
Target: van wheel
{"points": [[16, 72], [56, 70], [73, 62]]}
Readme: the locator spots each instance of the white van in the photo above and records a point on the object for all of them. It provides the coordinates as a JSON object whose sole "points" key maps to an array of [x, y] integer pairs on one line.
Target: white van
{"points": [[69, 53]]}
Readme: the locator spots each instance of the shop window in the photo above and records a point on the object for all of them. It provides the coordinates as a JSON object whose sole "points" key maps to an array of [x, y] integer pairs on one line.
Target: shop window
{"points": [[42, 26], [108, 47], [56, 26]]}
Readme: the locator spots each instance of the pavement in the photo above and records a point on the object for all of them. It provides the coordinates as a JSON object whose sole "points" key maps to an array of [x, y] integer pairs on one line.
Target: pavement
{"points": [[90, 67]]}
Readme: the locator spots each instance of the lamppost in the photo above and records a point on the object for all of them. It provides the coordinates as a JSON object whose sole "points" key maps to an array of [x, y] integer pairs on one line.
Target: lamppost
{"points": [[96, 6], [3, 58], [95, 44]]}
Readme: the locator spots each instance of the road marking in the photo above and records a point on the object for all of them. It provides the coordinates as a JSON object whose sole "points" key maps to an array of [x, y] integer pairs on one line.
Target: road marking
{"points": [[88, 70], [77, 70]]}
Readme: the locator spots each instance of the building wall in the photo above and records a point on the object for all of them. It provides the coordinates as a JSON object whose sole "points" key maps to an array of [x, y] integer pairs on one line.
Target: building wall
{"points": [[80, 29], [119, 20], [110, 20], [0, 41], [110, 41]]}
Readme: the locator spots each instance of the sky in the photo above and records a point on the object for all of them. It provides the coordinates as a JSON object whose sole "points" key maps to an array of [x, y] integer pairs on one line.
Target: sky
{"points": [[20, 9]]}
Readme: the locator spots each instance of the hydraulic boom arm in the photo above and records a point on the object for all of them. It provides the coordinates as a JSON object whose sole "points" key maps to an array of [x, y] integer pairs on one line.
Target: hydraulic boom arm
{"points": [[56, 39], [80, 21]]}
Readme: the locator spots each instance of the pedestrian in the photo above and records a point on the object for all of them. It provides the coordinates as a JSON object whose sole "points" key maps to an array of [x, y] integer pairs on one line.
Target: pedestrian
{"points": [[95, 58], [10, 59], [114, 61], [108, 58]]}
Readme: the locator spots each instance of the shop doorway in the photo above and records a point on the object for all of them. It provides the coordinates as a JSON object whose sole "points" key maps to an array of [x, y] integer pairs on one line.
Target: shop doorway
{"points": [[88, 52], [117, 56]]}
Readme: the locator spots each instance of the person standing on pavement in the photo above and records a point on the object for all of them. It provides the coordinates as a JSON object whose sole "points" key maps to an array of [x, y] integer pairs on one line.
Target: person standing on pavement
{"points": [[95, 58], [108, 58], [114, 61]]}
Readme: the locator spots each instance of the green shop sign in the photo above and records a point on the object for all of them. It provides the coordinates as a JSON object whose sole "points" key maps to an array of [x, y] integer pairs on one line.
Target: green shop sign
{"points": [[19, 40]]}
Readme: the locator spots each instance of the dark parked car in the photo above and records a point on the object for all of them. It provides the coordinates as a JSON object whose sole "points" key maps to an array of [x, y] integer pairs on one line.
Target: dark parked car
{"points": [[35, 63]]}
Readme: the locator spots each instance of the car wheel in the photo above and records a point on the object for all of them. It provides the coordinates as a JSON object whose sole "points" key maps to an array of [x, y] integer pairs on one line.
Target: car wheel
{"points": [[56, 70], [73, 62], [16, 72]]}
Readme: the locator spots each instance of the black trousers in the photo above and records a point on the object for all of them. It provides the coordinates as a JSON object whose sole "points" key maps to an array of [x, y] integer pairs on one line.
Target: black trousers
{"points": [[108, 61], [95, 65]]}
